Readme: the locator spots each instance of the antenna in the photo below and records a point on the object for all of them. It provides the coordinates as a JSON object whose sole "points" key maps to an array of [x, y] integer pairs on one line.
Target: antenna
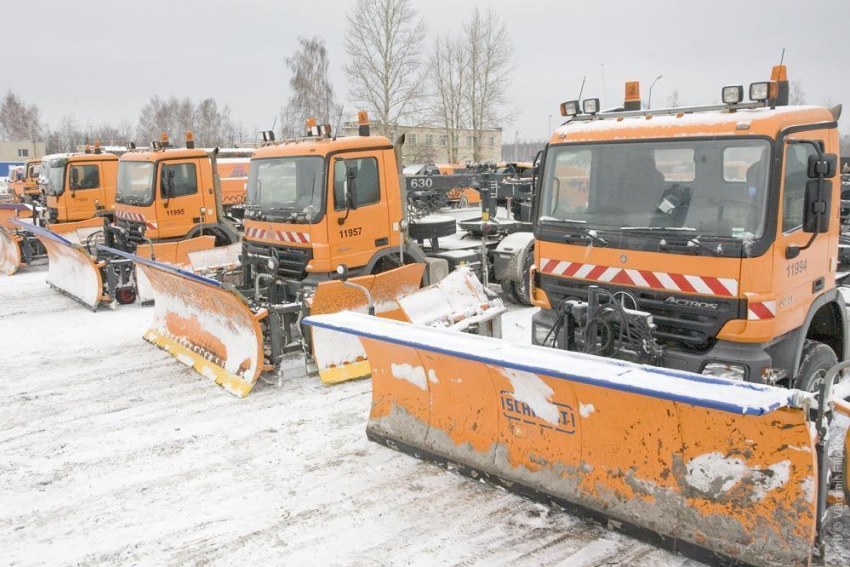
{"points": [[338, 121], [581, 90], [604, 90], [274, 123], [781, 59]]}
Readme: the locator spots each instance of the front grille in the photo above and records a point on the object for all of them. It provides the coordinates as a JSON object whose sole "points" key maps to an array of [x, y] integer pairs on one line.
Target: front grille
{"points": [[688, 328], [292, 260]]}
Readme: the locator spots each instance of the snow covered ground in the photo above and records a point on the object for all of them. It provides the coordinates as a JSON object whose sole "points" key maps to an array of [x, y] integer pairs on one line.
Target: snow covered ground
{"points": [[113, 452]]}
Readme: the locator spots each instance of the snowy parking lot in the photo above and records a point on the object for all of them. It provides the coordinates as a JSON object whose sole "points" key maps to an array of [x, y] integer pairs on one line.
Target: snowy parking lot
{"points": [[113, 452]]}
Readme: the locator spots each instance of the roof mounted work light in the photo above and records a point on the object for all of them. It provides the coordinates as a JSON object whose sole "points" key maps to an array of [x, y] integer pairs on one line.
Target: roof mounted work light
{"points": [[590, 105], [268, 135], [760, 92], [569, 108], [733, 94]]}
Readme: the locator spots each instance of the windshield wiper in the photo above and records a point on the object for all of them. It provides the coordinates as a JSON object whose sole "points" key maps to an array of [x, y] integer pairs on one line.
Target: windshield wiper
{"points": [[580, 225], [689, 233]]}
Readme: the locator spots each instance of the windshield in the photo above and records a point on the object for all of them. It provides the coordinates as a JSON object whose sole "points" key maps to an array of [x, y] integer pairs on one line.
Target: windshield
{"points": [[713, 187], [291, 184], [135, 183], [55, 177]]}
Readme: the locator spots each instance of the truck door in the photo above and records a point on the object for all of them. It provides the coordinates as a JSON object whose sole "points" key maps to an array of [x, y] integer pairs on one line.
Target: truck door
{"points": [[84, 188], [178, 202], [799, 280], [357, 229]]}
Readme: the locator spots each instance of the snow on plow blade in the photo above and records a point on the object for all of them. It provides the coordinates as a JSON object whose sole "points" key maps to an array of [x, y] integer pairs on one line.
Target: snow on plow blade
{"points": [[711, 468], [11, 257], [204, 325], [71, 269], [340, 357]]}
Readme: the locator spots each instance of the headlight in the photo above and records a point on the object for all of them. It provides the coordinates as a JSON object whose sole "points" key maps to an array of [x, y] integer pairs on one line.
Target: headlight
{"points": [[733, 94], [725, 370]]}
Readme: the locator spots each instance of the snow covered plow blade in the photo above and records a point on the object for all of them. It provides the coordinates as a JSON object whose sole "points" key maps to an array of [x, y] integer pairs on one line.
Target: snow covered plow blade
{"points": [[11, 256], [714, 469], [72, 270], [338, 356], [205, 325]]}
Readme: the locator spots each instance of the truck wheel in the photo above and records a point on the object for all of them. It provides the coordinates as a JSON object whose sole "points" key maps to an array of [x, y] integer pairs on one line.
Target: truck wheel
{"points": [[523, 287], [817, 359], [433, 226], [509, 289]]}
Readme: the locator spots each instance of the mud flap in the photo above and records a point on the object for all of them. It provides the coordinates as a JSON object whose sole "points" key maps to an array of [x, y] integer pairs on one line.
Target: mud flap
{"points": [[340, 357], [710, 468], [204, 325], [71, 270]]}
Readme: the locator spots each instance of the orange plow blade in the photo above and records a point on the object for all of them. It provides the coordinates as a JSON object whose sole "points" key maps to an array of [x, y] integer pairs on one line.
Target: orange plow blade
{"points": [[71, 269], [340, 357], [10, 252], [711, 468], [204, 325]]}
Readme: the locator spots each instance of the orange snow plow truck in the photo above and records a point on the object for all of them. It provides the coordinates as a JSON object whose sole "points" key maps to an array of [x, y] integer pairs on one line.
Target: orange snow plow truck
{"points": [[24, 185], [681, 385], [168, 202], [78, 192]]}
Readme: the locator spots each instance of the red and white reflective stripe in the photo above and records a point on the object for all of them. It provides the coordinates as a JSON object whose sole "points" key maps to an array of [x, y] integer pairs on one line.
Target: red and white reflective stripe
{"points": [[136, 217], [281, 235], [707, 285], [759, 310]]}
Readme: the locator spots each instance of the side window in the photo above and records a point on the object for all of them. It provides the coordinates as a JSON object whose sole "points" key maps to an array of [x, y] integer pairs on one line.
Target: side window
{"points": [[794, 185], [182, 177], [86, 176], [366, 189]]}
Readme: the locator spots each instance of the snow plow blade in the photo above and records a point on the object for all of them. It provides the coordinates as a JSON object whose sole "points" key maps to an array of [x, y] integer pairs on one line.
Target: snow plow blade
{"points": [[10, 252], [71, 269], [204, 325], [11, 257], [714, 469], [340, 357], [84, 233]]}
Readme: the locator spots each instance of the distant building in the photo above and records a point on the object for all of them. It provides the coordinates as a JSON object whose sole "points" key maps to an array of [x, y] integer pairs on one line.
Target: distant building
{"points": [[16, 153], [428, 144]]}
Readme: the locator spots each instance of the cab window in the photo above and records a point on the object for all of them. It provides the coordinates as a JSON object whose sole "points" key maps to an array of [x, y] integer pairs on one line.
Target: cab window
{"points": [[181, 177], [366, 190], [85, 177], [794, 192]]}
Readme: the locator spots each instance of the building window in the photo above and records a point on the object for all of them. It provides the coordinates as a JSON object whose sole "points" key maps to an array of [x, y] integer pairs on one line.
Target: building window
{"points": [[492, 141], [23, 152], [412, 138], [429, 139], [469, 141], [444, 140]]}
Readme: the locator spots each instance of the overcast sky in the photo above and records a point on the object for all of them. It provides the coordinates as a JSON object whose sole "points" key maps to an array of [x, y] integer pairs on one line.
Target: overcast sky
{"points": [[102, 60]]}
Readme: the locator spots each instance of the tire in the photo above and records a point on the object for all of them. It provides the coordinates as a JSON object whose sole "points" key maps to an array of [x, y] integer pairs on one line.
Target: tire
{"points": [[816, 360], [509, 289], [432, 227], [523, 287]]}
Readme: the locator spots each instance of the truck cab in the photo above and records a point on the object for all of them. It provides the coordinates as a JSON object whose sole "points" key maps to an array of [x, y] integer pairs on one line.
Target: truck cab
{"points": [[24, 183], [79, 186], [703, 239], [167, 194], [320, 202]]}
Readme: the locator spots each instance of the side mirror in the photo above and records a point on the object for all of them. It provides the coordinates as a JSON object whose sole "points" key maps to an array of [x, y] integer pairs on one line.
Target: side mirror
{"points": [[828, 165], [350, 176], [342, 270], [816, 212]]}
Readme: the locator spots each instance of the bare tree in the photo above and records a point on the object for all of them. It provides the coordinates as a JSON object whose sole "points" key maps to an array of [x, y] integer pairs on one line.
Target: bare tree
{"points": [[673, 99], [19, 121], [312, 92], [796, 94], [384, 43], [450, 75], [490, 67]]}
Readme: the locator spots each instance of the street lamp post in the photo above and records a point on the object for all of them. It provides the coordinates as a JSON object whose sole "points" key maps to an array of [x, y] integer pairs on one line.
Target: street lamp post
{"points": [[649, 100]]}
